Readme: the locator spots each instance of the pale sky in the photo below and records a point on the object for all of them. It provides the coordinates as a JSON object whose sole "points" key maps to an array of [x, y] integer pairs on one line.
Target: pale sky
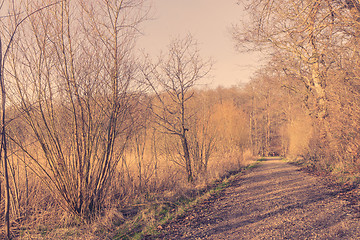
{"points": [[208, 21]]}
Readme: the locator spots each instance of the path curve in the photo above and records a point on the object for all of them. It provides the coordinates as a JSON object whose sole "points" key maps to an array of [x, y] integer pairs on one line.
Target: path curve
{"points": [[274, 201]]}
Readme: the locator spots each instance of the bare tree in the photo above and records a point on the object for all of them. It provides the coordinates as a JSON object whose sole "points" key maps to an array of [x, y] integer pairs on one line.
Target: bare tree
{"points": [[172, 81]]}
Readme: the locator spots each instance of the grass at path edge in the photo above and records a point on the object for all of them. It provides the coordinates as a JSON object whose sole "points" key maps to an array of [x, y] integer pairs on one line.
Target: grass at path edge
{"points": [[161, 214]]}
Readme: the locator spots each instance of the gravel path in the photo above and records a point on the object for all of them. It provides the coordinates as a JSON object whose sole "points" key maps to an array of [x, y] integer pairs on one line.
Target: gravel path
{"points": [[274, 201]]}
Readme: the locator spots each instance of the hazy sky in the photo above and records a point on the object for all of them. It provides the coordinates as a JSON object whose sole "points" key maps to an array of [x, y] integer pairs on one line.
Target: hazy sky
{"points": [[209, 22]]}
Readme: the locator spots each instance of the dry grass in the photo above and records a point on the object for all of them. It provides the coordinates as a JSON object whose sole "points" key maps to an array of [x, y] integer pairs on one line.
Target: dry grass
{"points": [[165, 183]]}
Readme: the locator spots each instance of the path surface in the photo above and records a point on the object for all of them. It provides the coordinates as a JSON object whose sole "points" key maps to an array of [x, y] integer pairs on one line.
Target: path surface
{"points": [[274, 201]]}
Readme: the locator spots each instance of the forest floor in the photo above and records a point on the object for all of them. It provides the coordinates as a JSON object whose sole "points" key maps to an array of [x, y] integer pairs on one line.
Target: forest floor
{"points": [[275, 200]]}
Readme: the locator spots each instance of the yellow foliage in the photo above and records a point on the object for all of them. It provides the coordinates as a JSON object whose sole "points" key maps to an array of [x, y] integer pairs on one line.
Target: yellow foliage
{"points": [[231, 124], [300, 131]]}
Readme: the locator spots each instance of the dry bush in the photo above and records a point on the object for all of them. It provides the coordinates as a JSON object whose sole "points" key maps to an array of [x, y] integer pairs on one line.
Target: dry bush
{"points": [[222, 164], [299, 132], [231, 124]]}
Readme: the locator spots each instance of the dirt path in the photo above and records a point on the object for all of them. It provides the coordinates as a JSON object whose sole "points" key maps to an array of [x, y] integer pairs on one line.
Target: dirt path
{"points": [[274, 201]]}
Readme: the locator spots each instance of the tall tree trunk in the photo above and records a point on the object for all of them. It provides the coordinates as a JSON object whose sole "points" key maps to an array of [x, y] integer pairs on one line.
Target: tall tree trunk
{"points": [[319, 89], [3, 150], [6, 176], [187, 157]]}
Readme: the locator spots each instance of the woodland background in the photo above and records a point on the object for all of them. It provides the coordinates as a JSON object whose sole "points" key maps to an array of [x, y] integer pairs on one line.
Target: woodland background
{"points": [[90, 127]]}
